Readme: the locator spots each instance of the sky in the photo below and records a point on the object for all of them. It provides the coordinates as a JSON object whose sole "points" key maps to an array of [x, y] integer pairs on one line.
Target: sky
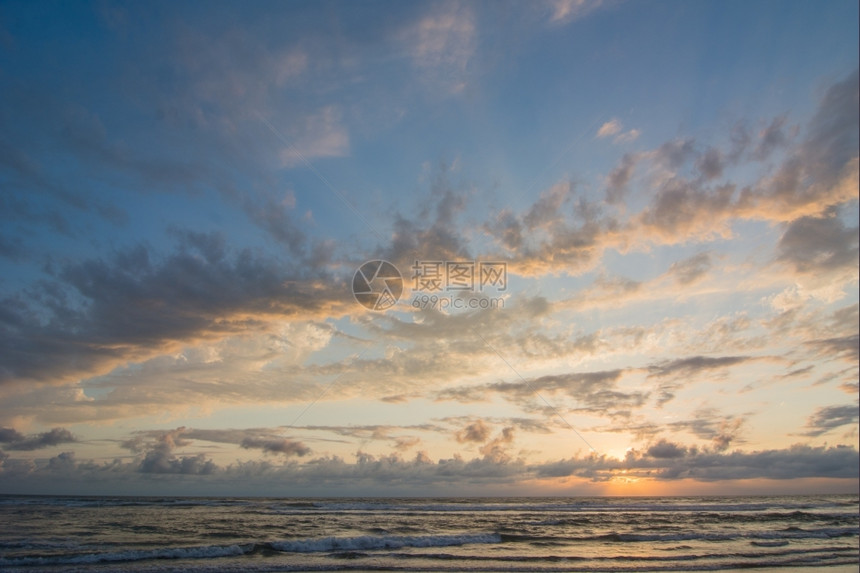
{"points": [[566, 247]]}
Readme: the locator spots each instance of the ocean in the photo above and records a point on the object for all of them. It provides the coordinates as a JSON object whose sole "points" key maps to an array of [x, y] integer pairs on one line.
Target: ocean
{"points": [[41, 533]]}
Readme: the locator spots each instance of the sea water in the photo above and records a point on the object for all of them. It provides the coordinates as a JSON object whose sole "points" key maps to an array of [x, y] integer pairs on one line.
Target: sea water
{"points": [[421, 534]]}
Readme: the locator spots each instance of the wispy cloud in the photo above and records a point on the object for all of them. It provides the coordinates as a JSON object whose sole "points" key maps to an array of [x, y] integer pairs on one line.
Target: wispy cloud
{"points": [[442, 44], [565, 11]]}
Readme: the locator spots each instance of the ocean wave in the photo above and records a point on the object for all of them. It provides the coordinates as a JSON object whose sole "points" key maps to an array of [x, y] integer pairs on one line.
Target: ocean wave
{"points": [[580, 507], [121, 501], [366, 542], [788, 533], [199, 552]]}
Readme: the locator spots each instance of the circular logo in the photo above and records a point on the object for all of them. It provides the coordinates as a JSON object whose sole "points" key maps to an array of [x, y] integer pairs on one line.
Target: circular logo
{"points": [[377, 285]]}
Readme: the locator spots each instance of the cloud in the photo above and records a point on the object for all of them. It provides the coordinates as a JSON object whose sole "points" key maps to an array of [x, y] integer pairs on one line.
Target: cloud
{"points": [[772, 137], [321, 135], [591, 392], [819, 244], [434, 233], [688, 369], [666, 450], [159, 457], [664, 461], [99, 314], [690, 197], [10, 435], [222, 74], [613, 128], [610, 128], [566, 11], [276, 446], [159, 445], [17, 441], [727, 434], [568, 244], [709, 424], [690, 270], [442, 44], [404, 443], [692, 365], [619, 178], [822, 171], [711, 164], [497, 448], [628, 136], [475, 432], [63, 462], [843, 347], [547, 210], [159, 461], [682, 209], [795, 462], [831, 417]]}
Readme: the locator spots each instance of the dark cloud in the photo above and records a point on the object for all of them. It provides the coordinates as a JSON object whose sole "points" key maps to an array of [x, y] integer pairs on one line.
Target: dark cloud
{"points": [[683, 207], [159, 457], [798, 372], [798, 461], [711, 164], [276, 446], [666, 450], [10, 435], [54, 437], [692, 365], [819, 244], [843, 347], [795, 462], [63, 462], [161, 444], [830, 418], [159, 461], [99, 313], [665, 461]]}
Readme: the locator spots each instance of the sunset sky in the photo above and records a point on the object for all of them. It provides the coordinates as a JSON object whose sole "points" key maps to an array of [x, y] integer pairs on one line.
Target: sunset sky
{"points": [[670, 188]]}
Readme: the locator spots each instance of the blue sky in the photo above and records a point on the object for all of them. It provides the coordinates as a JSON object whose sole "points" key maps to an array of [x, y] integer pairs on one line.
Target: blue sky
{"points": [[187, 189]]}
